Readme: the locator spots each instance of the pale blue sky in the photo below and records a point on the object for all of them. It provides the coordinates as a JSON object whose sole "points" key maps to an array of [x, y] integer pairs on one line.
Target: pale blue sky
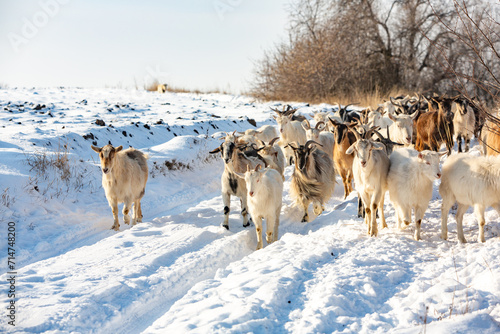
{"points": [[88, 43]]}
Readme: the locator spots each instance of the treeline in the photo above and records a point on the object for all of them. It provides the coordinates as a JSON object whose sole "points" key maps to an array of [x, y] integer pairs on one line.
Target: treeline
{"points": [[343, 48]]}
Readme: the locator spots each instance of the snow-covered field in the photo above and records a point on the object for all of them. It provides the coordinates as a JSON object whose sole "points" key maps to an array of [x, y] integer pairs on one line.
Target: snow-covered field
{"points": [[179, 271]]}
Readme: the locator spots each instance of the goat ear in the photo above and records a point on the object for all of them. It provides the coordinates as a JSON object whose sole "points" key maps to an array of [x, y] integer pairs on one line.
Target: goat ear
{"points": [[351, 149], [215, 151], [97, 149], [118, 149]]}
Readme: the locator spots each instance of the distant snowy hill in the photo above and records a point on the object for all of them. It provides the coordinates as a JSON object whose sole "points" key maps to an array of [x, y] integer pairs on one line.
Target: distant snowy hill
{"points": [[179, 271]]}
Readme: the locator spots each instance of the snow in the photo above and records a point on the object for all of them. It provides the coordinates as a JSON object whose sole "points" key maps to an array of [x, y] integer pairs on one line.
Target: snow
{"points": [[179, 271]]}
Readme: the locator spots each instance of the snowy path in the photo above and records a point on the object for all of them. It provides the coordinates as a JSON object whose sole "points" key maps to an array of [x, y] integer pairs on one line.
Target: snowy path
{"points": [[179, 271]]}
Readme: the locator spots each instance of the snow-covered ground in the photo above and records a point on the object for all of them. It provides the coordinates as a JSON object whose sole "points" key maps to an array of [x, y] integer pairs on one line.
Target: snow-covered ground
{"points": [[179, 271]]}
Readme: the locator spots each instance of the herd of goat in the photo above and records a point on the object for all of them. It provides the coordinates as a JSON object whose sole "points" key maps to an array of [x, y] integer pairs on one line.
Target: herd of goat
{"points": [[394, 148]]}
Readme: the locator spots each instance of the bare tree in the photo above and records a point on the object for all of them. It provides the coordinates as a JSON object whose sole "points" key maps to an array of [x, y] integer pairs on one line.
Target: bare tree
{"points": [[336, 47]]}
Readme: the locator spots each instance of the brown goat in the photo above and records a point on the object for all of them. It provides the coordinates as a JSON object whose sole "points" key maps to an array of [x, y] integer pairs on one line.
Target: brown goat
{"points": [[436, 127], [342, 161], [491, 138]]}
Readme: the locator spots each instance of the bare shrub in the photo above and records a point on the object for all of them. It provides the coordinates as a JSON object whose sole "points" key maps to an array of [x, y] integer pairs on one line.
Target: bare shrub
{"points": [[6, 199], [55, 175], [353, 48]]}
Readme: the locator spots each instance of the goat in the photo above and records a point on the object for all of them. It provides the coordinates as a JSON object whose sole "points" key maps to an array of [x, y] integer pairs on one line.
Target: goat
{"points": [[402, 128], [124, 177], [479, 115], [313, 179], [409, 182], [347, 116], [464, 122], [436, 127], [407, 105], [469, 181], [288, 110], [290, 131], [265, 193], [370, 167], [342, 161], [265, 133], [322, 116], [317, 134], [491, 137], [235, 161], [272, 155], [376, 118], [161, 88]]}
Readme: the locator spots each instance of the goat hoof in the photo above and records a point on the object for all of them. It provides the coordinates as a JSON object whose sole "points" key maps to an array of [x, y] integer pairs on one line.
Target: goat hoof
{"points": [[246, 225], [226, 227], [115, 227]]}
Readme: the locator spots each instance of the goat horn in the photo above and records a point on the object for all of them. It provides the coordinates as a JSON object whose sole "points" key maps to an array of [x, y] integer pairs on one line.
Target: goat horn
{"points": [[396, 103], [355, 132], [307, 123], [379, 135], [370, 131], [276, 110], [309, 142], [334, 122], [318, 124], [271, 143], [257, 167]]}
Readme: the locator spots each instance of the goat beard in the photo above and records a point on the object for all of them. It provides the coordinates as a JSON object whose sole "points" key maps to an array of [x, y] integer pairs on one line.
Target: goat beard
{"points": [[305, 189]]}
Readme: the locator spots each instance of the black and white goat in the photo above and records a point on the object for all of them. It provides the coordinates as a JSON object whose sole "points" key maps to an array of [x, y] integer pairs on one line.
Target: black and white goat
{"points": [[235, 161]]}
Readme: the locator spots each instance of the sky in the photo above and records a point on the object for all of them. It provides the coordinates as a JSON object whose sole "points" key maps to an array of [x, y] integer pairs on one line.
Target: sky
{"points": [[196, 44]]}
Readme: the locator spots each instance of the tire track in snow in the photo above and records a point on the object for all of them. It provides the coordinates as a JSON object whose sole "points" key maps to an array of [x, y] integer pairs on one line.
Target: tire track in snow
{"points": [[137, 274]]}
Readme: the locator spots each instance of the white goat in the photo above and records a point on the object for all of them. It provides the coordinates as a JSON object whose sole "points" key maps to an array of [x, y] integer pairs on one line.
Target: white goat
{"points": [[273, 155], [313, 179], [409, 181], [464, 122], [370, 167], [265, 193], [161, 88], [290, 131], [469, 181], [401, 130], [326, 139], [232, 184], [265, 133], [124, 177]]}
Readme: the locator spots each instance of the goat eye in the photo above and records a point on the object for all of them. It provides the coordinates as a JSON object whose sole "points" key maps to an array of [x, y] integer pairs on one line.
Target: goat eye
{"points": [[428, 163]]}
